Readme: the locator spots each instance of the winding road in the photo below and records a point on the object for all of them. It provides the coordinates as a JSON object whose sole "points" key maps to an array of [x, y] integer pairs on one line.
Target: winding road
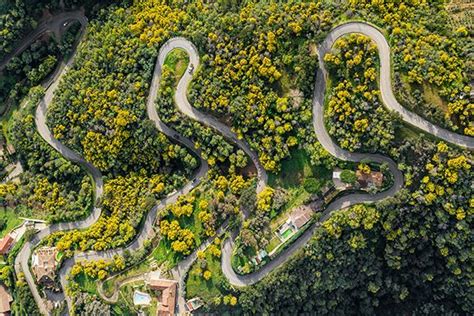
{"points": [[21, 262], [183, 104]]}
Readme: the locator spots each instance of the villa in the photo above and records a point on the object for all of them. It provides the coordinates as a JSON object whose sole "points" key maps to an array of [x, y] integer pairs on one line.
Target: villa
{"points": [[43, 264], [168, 288], [371, 179], [5, 300], [297, 219], [300, 216]]}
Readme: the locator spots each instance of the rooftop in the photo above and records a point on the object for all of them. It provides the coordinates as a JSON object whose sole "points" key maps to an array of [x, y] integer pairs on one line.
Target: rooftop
{"points": [[5, 244], [372, 178], [167, 303], [301, 215], [43, 263], [5, 300]]}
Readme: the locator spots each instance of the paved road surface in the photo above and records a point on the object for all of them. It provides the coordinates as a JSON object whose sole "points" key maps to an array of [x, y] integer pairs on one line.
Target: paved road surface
{"points": [[147, 230], [21, 261]]}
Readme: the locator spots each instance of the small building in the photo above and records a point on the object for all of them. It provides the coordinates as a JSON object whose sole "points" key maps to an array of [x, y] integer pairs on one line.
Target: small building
{"points": [[258, 258], [194, 303], [6, 244], [300, 216], [5, 300], [43, 264], [371, 179], [168, 288], [297, 219]]}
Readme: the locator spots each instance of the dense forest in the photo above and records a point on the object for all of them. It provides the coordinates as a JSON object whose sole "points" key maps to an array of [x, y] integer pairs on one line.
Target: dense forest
{"points": [[18, 17], [358, 119], [429, 54], [51, 187], [409, 253], [33, 65]]}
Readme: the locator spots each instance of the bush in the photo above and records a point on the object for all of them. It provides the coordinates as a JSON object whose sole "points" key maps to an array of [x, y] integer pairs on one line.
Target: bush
{"points": [[311, 185], [348, 176]]}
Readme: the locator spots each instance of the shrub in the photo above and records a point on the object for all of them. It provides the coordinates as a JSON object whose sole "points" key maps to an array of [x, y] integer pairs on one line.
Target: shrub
{"points": [[348, 176], [311, 185]]}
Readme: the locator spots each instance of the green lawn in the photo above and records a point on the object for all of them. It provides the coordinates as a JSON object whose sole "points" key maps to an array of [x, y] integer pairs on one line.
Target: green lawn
{"points": [[178, 61], [274, 242], [163, 253], [294, 171], [11, 219], [196, 285], [430, 94], [86, 284]]}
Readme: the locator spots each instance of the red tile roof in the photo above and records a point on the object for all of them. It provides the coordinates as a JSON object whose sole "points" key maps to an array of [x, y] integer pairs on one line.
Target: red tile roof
{"points": [[44, 264], [374, 177], [168, 295], [5, 244], [5, 299]]}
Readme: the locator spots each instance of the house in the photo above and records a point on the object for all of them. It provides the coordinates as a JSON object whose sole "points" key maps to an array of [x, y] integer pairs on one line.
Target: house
{"points": [[43, 264], [194, 304], [6, 244], [300, 216], [371, 179], [168, 288], [5, 300], [297, 219]]}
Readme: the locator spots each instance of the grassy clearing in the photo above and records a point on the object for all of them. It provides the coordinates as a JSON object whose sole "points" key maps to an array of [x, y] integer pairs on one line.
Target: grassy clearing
{"points": [[293, 173], [11, 220], [274, 242], [196, 285], [178, 61], [163, 253], [295, 169], [86, 284], [430, 95]]}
